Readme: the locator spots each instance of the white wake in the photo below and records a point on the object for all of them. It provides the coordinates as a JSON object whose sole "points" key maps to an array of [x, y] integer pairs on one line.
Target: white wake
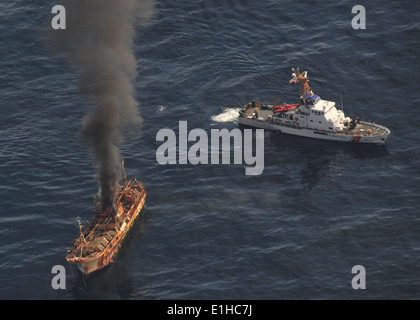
{"points": [[228, 115]]}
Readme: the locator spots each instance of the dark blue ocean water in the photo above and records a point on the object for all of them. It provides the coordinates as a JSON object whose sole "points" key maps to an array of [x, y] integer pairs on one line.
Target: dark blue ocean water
{"points": [[210, 231]]}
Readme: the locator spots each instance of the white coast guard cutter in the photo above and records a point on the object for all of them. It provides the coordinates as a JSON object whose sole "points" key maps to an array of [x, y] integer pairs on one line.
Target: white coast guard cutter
{"points": [[312, 117]]}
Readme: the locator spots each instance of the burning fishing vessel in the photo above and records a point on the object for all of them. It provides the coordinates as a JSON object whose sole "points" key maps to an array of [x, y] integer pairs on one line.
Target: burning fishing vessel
{"points": [[99, 242], [311, 117]]}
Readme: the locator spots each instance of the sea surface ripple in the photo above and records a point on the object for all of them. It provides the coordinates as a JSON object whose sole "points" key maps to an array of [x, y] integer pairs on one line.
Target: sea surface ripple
{"points": [[210, 231]]}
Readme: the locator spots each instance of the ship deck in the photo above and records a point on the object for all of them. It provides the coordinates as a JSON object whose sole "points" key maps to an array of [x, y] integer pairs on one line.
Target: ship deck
{"points": [[96, 238], [263, 113], [103, 235], [361, 128], [101, 231]]}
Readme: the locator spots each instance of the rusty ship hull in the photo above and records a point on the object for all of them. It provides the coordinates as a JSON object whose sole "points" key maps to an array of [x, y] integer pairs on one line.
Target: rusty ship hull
{"points": [[99, 243]]}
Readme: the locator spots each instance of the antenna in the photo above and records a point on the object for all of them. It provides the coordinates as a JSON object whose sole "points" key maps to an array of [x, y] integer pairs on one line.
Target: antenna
{"points": [[81, 235], [80, 226], [125, 177], [341, 99], [277, 100]]}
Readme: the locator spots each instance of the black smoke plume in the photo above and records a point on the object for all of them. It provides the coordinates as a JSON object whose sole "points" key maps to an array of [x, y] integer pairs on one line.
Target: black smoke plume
{"points": [[98, 41]]}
